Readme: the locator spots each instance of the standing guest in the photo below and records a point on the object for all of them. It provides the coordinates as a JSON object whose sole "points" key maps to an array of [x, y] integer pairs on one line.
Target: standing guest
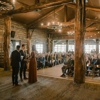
{"points": [[32, 67], [46, 60], [23, 63], [15, 63]]}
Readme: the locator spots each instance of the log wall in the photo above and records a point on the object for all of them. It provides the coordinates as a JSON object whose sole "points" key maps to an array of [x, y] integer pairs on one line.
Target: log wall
{"points": [[38, 36]]}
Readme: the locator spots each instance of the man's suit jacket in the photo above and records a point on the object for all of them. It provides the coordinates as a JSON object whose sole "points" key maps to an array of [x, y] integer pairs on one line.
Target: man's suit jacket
{"points": [[23, 63], [15, 59]]}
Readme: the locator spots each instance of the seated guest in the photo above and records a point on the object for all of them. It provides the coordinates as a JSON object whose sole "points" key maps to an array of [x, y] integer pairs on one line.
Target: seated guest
{"points": [[46, 59], [98, 65], [71, 68], [52, 59], [88, 65], [43, 60], [40, 61], [66, 66]]}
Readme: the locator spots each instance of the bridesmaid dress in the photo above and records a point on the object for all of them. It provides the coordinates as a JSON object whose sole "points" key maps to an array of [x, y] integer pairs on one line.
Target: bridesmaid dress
{"points": [[32, 69]]}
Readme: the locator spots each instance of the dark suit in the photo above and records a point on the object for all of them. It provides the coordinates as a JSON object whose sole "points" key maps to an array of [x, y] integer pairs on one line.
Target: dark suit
{"points": [[23, 64], [15, 63]]}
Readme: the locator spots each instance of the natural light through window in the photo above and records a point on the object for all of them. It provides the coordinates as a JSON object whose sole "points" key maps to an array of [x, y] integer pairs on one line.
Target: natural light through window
{"points": [[60, 48], [89, 48], [71, 48], [39, 48]]}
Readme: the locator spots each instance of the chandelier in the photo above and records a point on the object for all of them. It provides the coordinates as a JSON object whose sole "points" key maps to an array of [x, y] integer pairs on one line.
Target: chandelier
{"points": [[55, 25], [5, 5]]}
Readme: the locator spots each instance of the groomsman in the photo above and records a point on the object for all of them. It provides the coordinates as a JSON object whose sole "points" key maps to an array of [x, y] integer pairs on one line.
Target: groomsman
{"points": [[15, 63], [23, 63]]}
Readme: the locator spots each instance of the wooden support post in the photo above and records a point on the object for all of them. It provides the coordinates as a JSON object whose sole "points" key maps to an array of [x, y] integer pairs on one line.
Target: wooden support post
{"points": [[7, 22], [29, 36], [37, 1], [48, 43], [66, 45], [79, 67], [97, 46], [65, 13]]}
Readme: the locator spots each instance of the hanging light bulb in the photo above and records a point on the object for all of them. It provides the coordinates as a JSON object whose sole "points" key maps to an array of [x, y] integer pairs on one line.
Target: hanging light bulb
{"points": [[58, 23], [14, 1], [53, 22], [48, 24], [59, 30], [42, 24]]}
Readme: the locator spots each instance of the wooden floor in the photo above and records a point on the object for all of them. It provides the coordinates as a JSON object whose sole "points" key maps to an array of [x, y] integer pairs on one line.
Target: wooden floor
{"points": [[56, 72], [50, 86]]}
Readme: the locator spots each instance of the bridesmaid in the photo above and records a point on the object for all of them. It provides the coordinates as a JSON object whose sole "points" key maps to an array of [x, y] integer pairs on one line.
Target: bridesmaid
{"points": [[32, 68]]}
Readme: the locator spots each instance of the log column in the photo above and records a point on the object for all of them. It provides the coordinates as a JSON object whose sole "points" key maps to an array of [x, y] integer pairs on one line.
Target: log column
{"points": [[65, 13], [37, 1], [79, 67], [7, 22], [29, 36], [97, 46], [66, 45], [48, 43]]}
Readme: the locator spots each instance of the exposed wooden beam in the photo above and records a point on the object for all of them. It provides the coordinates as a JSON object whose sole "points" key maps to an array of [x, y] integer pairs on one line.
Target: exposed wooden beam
{"points": [[39, 6], [73, 5], [65, 13], [93, 8], [44, 16], [92, 23], [37, 1], [64, 37], [93, 20], [23, 4]]}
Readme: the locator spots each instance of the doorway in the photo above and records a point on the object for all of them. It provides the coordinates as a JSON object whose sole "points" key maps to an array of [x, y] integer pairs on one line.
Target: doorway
{"points": [[13, 45]]}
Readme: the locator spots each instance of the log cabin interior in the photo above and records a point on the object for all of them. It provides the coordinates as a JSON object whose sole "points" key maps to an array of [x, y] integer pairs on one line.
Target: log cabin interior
{"points": [[61, 26]]}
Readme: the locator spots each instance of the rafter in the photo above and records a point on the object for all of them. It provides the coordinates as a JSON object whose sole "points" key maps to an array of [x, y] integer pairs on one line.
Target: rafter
{"points": [[23, 4], [90, 24], [73, 5], [46, 15], [39, 6]]}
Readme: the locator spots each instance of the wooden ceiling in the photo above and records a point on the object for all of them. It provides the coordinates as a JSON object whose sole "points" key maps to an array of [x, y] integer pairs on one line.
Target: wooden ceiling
{"points": [[34, 12]]}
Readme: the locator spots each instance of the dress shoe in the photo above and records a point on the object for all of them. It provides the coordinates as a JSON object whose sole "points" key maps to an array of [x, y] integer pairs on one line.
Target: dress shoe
{"points": [[17, 84], [63, 75], [25, 78], [21, 80]]}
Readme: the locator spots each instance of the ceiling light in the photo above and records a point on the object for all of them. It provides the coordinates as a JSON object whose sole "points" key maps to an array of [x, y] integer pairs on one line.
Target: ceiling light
{"points": [[6, 5], [61, 24], [96, 28], [53, 22], [48, 24], [59, 30], [42, 24], [14, 1]]}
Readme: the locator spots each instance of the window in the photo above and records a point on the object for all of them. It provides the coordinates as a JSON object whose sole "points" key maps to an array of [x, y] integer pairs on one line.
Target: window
{"points": [[17, 43], [99, 48], [39, 48], [60, 48], [89, 48], [71, 48]]}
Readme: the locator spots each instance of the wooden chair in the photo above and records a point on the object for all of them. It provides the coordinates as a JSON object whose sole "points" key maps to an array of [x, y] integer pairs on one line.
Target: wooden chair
{"points": [[93, 72]]}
